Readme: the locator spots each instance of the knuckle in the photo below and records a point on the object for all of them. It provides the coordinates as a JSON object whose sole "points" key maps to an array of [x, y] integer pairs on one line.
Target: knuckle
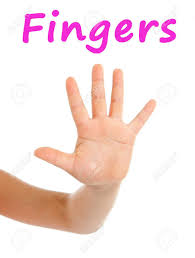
{"points": [[140, 120], [77, 106], [98, 95], [116, 100]]}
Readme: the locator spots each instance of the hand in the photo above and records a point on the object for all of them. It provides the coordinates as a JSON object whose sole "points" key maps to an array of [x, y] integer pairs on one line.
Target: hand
{"points": [[104, 146]]}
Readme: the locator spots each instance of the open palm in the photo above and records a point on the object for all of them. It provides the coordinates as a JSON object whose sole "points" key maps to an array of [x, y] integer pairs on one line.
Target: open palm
{"points": [[104, 146]]}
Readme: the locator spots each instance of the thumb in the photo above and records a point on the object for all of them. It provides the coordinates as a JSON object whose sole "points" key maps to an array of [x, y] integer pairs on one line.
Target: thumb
{"points": [[57, 158]]}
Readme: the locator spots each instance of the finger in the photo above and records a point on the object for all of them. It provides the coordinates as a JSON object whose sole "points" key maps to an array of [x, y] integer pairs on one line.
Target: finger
{"points": [[57, 158], [79, 112], [116, 106], [138, 122], [98, 92]]}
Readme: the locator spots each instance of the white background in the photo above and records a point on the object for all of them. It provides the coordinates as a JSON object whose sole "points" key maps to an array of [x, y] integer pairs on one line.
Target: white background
{"points": [[154, 213]]}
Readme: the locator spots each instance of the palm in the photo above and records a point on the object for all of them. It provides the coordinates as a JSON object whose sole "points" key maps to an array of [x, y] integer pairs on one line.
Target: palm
{"points": [[104, 145], [103, 151]]}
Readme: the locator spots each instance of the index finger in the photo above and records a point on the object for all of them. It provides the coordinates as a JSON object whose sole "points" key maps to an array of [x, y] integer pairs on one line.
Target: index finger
{"points": [[79, 112]]}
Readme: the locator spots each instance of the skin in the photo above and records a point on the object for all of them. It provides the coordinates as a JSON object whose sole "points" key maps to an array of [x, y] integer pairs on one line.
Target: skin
{"points": [[100, 161]]}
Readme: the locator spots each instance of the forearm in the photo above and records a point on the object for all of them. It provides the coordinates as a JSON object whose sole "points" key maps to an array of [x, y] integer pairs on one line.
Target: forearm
{"points": [[81, 212], [32, 205]]}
